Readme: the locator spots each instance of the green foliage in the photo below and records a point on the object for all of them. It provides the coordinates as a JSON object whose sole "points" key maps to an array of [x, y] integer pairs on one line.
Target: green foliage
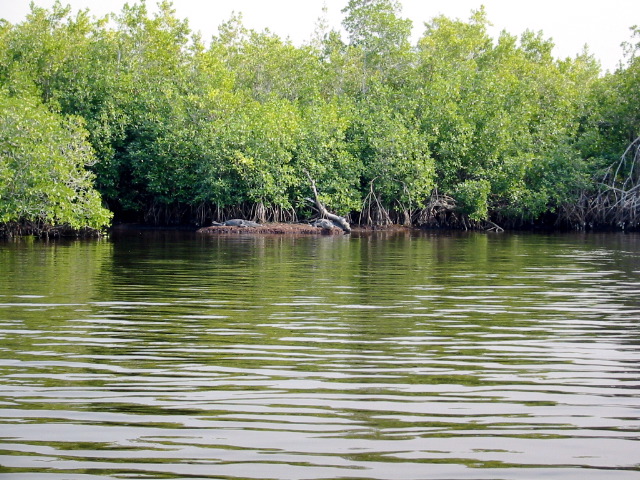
{"points": [[395, 154], [323, 150], [613, 121], [474, 195], [495, 113], [43, 178], [508, 131], [379, 34]]}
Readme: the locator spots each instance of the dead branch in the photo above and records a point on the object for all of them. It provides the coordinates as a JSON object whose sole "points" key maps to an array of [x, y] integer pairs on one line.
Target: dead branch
{"points": [[337, 220]]}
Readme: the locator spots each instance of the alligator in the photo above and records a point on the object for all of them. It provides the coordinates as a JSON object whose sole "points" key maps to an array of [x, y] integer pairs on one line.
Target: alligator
{"points": [[236, 222], [324, 224]]}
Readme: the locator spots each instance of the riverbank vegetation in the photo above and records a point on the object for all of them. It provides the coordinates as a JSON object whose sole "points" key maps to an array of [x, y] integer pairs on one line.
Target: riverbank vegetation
{"points": [[136, 115]]}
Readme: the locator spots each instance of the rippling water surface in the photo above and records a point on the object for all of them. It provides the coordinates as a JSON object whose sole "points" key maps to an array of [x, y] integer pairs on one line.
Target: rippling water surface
{"points": [[405, 356]]}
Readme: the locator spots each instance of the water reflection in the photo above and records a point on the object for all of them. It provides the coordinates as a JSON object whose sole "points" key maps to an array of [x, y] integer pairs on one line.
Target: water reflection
{"points": [[380, 356]]}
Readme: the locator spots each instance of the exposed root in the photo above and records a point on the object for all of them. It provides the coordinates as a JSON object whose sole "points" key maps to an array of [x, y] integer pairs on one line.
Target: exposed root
{"points": [[616, 203], [439, 211], [373, 211], [43, 230]]}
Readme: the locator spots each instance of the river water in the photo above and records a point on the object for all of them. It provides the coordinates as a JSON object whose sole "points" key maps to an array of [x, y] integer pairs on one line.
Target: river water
{"points": [[383, 356]]}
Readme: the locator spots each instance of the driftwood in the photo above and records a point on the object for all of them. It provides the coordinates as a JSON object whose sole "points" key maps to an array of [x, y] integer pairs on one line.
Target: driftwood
{"points": [[335, 219]]}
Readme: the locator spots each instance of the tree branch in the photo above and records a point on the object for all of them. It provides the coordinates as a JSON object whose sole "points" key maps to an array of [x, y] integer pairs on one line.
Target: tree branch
{"points": [[337, 220]]}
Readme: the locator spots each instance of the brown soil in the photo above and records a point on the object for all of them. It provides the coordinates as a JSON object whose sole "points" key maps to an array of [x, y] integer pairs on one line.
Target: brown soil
{"points": [[271, 228]]}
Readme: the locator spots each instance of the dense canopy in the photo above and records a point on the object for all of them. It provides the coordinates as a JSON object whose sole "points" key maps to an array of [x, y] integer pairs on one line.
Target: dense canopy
{"points": [[137, 115]]}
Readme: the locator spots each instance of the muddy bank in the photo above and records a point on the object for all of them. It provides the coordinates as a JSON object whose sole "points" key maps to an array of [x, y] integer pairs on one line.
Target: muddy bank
{"points": [[263, 229]]}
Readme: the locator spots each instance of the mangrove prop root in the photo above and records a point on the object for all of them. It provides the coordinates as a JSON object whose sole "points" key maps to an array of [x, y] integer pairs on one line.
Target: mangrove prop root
{"points": [[616, 203]]}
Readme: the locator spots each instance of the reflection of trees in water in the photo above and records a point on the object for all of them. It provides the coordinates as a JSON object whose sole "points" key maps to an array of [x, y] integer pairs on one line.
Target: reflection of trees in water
{"points": [[359, 298], [385, 337], [60, 270], [46, 285]]}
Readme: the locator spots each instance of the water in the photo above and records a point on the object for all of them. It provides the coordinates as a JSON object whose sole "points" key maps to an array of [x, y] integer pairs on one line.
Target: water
{"points": [[163, 356]]}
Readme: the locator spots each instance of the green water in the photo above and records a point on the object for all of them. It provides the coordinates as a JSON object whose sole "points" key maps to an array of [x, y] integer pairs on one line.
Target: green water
{"points": [[385, 356]]}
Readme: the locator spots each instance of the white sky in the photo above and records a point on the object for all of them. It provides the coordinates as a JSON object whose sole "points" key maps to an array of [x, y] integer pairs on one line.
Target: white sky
{"points": [[602, 25]]}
